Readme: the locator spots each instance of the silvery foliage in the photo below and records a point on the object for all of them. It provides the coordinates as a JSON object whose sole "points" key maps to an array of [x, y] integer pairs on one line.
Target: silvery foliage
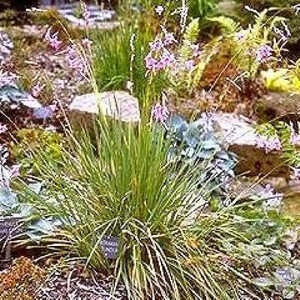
{"points": [[11, 208], [195, 144], [12, 98]]}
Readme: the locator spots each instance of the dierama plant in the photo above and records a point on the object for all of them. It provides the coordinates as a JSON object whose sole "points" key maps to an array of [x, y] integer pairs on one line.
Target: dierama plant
{"points": [[118, 183]]}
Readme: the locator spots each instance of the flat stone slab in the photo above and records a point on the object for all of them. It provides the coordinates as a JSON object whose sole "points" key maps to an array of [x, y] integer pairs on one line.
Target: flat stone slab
{"points": [[119, 105]]}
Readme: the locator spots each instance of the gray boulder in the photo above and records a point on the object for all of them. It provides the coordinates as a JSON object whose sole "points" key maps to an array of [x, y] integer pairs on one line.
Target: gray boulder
{"points": [[118, 105], [238, 135]]}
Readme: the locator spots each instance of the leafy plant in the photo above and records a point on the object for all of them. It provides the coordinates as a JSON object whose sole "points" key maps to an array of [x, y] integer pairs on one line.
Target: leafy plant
{"points": [[282, 80], [31, 140], [195, 144], [283, 131], [284, 9], [246, 43], [22, 280], [202, 8], [78, 11], [12, 98]]}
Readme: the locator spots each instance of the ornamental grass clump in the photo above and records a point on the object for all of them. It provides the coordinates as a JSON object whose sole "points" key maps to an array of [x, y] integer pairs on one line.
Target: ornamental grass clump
{"points": [[119, 185]]}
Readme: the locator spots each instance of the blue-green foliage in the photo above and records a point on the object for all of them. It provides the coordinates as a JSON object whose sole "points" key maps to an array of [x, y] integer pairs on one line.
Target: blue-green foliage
{"points": [[195, 143], [11, 97]]}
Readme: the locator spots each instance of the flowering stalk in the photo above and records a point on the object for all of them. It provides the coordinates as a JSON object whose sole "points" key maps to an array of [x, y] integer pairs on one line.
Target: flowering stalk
{"points": [[76, 59], [37, 89], [3, 128], [160, 113], [86, 15], [53, 40], [263, 53]]}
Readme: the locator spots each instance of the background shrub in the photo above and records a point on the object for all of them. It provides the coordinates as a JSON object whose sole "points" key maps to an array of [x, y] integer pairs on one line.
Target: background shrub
{"points": [[286, 11]]}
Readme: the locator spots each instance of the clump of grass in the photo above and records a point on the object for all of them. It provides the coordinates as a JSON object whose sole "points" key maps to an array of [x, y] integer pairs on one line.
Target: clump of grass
{"points": [[119, 57], [112, 58], [119, 184]]}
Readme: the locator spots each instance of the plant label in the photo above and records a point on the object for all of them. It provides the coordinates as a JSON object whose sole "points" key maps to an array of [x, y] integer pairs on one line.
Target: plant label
{"points": [[109, 245]]}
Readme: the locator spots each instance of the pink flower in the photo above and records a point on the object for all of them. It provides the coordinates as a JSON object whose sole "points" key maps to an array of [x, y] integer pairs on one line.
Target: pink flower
{"points": [[196, 49], [3, 128], [272, 199], [295, 139], [269, 144], [167, 59], [189, 65], [151, 63], [37, 89], [169, 39], [156, 45], [263, 53], [86, 43], [160, 113], [53, 40], [159, 9], [160, 65], [75, 60], [240, 35], [15, 171]]}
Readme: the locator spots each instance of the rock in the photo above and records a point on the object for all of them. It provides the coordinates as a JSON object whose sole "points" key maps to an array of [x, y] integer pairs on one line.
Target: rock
{"points": [[228, 7], [291, 204], [244, 189], [98, 17], [238, 135], [280, 106], [115, 104]]}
